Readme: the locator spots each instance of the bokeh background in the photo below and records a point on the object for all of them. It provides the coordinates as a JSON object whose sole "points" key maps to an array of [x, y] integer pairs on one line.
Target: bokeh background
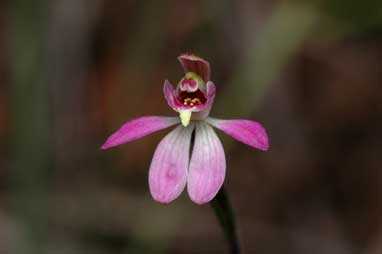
{"points": [[72, 71]]}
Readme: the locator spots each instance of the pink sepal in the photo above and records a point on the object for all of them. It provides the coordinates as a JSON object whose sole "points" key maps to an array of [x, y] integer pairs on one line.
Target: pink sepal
{"points": [[249, 132], [192, 63], [138, 128]]}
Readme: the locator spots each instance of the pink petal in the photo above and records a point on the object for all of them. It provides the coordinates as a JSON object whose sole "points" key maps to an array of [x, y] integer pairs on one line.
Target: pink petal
{"points": [[168, 170], [211, 92], [169, 94], [192, 63], [138, 128], [207, 165], [246, 131]]}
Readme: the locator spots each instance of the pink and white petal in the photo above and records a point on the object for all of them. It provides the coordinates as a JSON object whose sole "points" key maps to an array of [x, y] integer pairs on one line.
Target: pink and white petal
{"points": [[138, 128], [249, 132], [168, 170], [207, 166], [192, 63]]}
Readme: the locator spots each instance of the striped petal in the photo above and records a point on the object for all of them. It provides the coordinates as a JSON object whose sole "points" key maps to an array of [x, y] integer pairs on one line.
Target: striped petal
{"points": [[138, 128], [193, 63], [168, 170], [249, 132], [207, 165]]}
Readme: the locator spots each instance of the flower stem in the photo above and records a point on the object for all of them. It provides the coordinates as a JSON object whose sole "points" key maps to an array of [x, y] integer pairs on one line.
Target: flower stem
{"points": [[224, 213]]}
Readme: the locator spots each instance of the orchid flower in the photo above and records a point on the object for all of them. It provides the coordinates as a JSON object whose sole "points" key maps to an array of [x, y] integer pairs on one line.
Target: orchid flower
{"points": [[172, 168]]}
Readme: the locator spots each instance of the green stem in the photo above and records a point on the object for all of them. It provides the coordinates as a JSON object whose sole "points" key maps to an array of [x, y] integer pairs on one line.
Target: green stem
{"points": [[224, 213]]}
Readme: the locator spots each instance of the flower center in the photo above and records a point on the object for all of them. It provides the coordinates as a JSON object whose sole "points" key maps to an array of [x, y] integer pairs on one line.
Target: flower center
{"points": [[192, 99], [190, 90]]}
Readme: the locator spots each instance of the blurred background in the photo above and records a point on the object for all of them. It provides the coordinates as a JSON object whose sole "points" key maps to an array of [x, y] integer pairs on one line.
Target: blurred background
{"points": [[73, 71]]}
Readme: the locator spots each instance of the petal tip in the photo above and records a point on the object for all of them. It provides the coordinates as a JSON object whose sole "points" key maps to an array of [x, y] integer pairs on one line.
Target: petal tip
{"points": [[104, 147], [264, 143], [108, 144], [161, 199], [264, 147], [201, 201], [201, 198], [189, 56], [166, 83], [246, 131]]}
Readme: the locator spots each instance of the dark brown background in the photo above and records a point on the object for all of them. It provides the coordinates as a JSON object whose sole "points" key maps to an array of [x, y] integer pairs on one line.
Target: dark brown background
{"points": [[72, 71]]}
